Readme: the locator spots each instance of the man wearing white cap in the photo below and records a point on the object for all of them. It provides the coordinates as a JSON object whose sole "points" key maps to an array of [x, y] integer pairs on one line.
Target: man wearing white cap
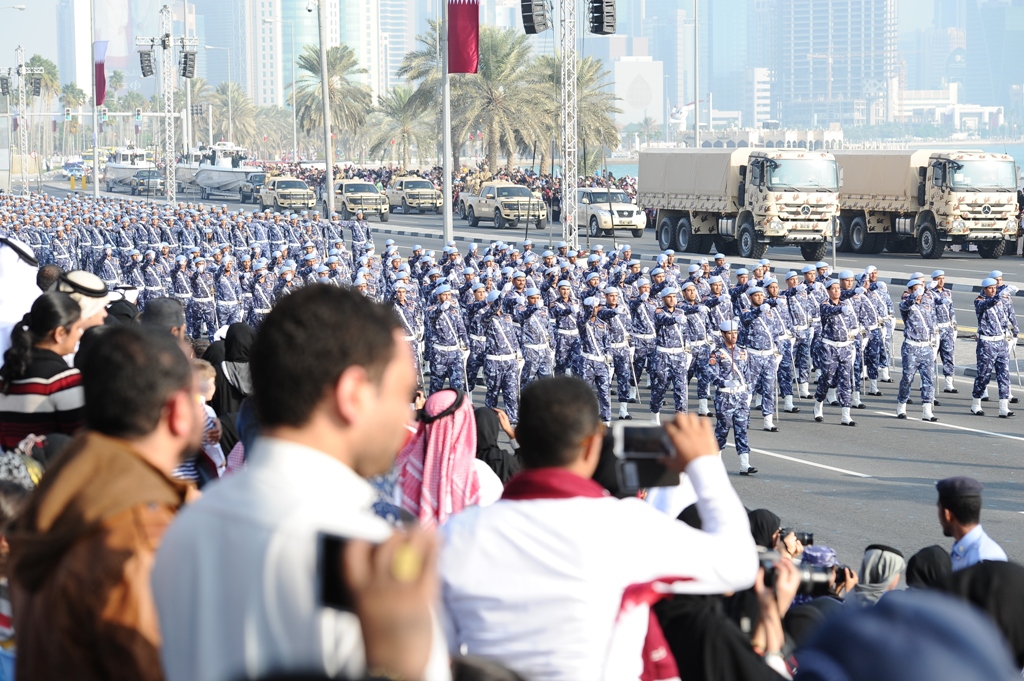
{"points": [[917, 353], [993, 350], [945, 324], [730, 371], [838, 331], [616, 315], [595, 351], [672, 355]]}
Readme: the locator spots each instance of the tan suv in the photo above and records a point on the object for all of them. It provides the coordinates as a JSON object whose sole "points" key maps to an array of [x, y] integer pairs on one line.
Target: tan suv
{"points": [[505, 204], [355, 195], [414, 193], [602, 215], [286, 192]]}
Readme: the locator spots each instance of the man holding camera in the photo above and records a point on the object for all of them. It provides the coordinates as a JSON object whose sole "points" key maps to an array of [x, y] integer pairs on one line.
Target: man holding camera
{"points": [[555, 579]]}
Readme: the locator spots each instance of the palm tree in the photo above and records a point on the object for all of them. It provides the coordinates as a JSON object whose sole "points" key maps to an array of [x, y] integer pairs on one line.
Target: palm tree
{"points": [[71, 97], [201, 94], [350, 101], [501, 99], [49, 88], [400, 123], [243, 113], [649, 129], [116, 82], [423, 66], [273, 131]]}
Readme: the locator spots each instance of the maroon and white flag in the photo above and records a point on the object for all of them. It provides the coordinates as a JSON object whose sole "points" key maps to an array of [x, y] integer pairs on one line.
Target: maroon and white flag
{"points": [[463, 36], [99, 57]]}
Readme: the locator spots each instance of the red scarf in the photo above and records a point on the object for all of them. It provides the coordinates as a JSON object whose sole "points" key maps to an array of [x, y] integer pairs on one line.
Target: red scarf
{"points": [[550, 483]]}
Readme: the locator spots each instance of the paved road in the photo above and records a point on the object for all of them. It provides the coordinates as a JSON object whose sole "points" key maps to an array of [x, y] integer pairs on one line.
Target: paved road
{"points": [[853, 486]]}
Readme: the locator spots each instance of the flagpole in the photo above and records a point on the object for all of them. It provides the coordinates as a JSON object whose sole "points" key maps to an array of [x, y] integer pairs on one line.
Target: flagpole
{"points": [[95, 107], [447, 230]]}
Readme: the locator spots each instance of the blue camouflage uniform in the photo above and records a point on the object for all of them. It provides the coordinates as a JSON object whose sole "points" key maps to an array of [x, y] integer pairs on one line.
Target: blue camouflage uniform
{"points": [[729, 373], [945, 326], [203, 308], [798, 314], [671, 359], [764, 356], [698, 331], [644, 335], [918, 351], [591, 363], [501, 361], [538, 344], [993, 354], [619, 323], [838, 334], [567, 335], [448, 337], [229, 298]]}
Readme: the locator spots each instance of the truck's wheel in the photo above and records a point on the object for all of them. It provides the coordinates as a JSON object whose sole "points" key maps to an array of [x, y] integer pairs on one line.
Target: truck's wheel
{"points": [[462, 210], [814, 252], [701, 243], [345, 215], [666, 234], [748, 244], [499, 223], [861, 241], [991, 250], [542, 223], [637, 233], [405, 206], [594, 229], [724, 246], [384, 217], [881, 241], [473, 219], [843, 246], [928, 244], [684, 235]]}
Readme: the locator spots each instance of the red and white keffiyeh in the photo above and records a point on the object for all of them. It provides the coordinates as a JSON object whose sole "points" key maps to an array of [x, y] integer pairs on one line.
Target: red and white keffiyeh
{"points": [[436, 475]]}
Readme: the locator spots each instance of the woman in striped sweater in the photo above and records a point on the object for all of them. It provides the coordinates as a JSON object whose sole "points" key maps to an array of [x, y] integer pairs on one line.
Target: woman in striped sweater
{"points": [[39, 392]]}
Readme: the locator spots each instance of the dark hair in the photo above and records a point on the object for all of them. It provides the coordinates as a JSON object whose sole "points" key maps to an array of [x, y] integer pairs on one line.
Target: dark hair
{"points": [[555, 414], [128, 377], [12, 499], [166, 313], [966, 510], [307, 341], [47, 276], [50, 311]]}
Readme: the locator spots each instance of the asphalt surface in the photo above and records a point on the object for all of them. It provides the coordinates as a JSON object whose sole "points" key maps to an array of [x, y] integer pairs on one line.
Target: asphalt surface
{"points": [[851, 487]]}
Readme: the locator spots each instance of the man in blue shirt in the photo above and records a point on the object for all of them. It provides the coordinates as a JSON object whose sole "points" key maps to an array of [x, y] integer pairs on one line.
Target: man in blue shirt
{"points": [[960, 516]]}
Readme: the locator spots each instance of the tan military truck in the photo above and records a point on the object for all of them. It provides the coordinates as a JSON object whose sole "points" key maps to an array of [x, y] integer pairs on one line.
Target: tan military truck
{"points": [[286, 192], [923, 200], [411, 193], [602, 213], [505, 203], [741, 201], [355, 195]]}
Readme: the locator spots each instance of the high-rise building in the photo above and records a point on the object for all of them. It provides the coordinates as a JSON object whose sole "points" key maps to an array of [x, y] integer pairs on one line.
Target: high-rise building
{"points": [[835, 61], [74, 44], [995, 51], [398, 27], [723, 35], [360, 30], [757, 95]]}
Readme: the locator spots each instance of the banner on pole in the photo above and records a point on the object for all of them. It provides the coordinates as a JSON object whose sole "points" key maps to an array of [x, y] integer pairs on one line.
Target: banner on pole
{"points": [[99, 57], [463, 36]]}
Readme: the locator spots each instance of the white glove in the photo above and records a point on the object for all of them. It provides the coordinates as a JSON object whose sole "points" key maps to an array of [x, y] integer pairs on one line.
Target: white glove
{"points": [[931, 285], [1012, 289], [764, 307], [859, 290], [446, 304], [507, 287], [644, 296], [802, 288], [847, 308], [918, 293]]}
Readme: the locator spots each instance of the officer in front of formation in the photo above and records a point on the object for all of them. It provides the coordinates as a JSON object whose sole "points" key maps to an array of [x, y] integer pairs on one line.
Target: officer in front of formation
{"points": [[993, 350], [730, 369]]}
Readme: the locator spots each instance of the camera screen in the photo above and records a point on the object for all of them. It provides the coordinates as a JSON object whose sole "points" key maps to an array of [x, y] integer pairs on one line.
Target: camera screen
{"points": [[642, 442]]}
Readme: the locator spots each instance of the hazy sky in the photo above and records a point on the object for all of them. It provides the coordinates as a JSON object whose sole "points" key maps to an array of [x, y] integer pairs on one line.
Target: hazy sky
{"points": [[35, 28]]}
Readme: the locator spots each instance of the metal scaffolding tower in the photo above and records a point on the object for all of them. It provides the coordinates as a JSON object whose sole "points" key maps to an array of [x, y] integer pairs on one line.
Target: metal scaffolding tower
{"points": [[570, 231], [25, 74]]}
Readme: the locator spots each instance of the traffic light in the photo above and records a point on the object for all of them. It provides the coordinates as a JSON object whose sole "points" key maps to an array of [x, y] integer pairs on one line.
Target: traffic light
{"points": [[138, 113], [37, 86], [5, 86], [198, 109], [535, 16], [103, 114], [602, 17], [146, 62], [67, 114], [188, 64]]}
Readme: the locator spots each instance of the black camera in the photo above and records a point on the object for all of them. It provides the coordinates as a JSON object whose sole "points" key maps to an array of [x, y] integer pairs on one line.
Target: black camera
{"points": [[814, 581], [805, 538], [631, 460]]}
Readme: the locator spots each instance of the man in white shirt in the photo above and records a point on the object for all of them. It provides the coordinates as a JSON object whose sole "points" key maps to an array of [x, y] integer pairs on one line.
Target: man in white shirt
{"points": [[237, 581], [555, 580], [960, 517]]}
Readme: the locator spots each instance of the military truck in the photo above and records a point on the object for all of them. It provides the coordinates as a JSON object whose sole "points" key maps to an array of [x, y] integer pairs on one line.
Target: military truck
{"points": [[924, 200], [414, 193], [741, 201], [504, 203], [286, 192], [355, 195]]}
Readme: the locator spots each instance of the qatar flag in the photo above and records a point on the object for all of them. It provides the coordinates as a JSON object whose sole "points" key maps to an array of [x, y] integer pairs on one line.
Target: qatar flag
{"points": [[463, 36], [99, 54]]}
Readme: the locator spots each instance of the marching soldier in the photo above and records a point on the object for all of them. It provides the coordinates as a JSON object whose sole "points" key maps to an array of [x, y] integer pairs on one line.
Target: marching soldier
{"points": [[729, 365], [993, 353]]}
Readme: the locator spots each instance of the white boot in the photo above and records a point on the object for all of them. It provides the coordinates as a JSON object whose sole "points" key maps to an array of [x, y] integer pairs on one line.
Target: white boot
{"points": [[648, 382], [633, 394], [1004, 409], [847, 420], [702, 407], [926, 412], [819, 410], [623, 411], [830, 397], [984, 395], [769, 423], [788, 406], [757, 401], [901, 410], [745, 467], [857, 404], [873, 387], [883, 375], [817, 375], [949, 386], [656, 419], [976, 407], [805, 391]]}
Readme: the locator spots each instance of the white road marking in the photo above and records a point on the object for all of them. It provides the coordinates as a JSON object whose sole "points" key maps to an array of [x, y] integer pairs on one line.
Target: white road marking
{"points": [[806, 463], [950, 425]]}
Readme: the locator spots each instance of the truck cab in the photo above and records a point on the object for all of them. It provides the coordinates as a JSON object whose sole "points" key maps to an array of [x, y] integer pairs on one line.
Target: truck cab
{"points": [[602, 212], [505, 204], [355, 195], [146, 182], [414, 193], [286, 192]]}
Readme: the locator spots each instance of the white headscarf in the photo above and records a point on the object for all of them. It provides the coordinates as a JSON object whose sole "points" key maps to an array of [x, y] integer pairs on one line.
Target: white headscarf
{"points": [[18, 288]]}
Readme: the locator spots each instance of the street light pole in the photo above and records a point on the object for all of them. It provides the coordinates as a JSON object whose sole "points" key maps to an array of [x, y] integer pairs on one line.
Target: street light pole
{"points": [[231, 123], [295, 126], [324, 85]]}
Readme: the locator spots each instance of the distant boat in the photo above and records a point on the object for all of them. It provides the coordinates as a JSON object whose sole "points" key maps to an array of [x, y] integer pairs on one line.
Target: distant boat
{"points": [[122, 164], [221, 169], [185, 169]]}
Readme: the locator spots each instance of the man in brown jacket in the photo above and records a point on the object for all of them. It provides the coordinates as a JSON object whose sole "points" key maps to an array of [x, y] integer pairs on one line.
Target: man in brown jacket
{"points": [[82, 551]]}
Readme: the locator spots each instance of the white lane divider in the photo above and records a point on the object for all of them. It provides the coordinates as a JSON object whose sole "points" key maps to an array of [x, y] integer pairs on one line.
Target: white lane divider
{"points": [[805, 462], [965, 428]]}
